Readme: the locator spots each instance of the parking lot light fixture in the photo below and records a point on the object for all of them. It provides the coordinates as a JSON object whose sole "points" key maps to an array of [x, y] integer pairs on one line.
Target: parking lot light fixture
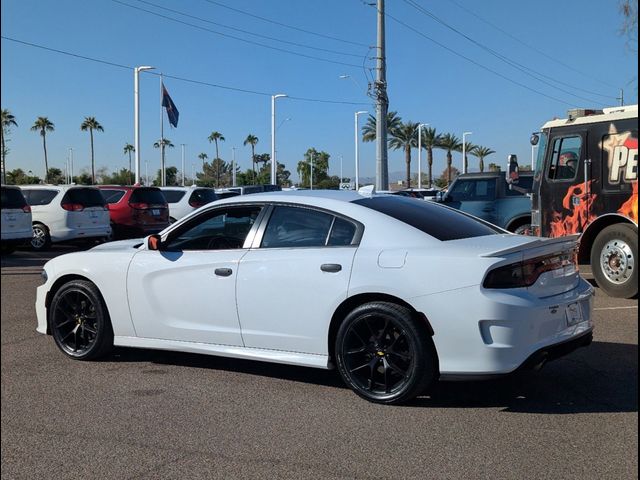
{"points": [[274, 167], [420, 153], [357, 114], [136, 115], [464, 151]]}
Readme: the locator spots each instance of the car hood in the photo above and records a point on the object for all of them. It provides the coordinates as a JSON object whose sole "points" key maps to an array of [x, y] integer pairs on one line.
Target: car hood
{"points": [[120, 245]]}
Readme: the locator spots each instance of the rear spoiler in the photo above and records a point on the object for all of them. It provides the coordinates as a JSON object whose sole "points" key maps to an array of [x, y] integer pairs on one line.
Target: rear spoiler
{"points": [[571, 241]]}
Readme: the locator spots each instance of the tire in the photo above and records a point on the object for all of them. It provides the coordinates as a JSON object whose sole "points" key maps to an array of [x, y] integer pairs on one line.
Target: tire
{"points": [[384, 355], [79, 321], [41, 239], [614, 260], [524, 229]]}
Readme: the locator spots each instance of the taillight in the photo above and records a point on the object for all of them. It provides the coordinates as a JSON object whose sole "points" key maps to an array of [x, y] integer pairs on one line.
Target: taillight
{"points": [[139, 205], [526, 273], [73, 207], [26, 209]]}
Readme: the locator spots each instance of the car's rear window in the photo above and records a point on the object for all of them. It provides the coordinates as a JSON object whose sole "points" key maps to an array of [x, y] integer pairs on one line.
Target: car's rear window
{"points": [[37, 197], [173, 196], [203, 196], [112, 196], [12, 198], [436, 220], [88, 197], [148, 195]]}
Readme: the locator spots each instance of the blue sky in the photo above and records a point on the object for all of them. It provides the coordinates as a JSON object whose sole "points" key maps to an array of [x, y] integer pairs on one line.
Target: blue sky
{"points": [[575, 42]]}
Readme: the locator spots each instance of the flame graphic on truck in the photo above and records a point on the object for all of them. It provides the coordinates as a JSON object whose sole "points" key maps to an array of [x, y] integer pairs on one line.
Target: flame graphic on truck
{"points": [[630, 207], [577, 202]]}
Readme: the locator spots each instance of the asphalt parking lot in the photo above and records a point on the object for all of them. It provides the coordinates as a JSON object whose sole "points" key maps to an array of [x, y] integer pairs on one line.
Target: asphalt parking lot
{"points": [[146, 415]]}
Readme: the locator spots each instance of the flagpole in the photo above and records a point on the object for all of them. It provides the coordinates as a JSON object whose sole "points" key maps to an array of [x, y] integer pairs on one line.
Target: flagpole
{"points": [[163, 178]]}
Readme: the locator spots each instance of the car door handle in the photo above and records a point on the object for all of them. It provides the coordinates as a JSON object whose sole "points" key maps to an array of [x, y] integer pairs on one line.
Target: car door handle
{"points": [[331, 267], [223, 272]]}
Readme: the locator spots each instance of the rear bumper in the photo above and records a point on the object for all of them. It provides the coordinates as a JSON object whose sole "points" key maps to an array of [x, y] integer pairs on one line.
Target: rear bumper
{"points": [[67, 234], [17, 237]]}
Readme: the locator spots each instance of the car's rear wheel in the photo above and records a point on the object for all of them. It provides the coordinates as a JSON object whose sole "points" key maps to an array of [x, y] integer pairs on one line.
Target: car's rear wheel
{"points": [[384, 355], [524, 229], [79, 321], [614, 260], [41, 239]]}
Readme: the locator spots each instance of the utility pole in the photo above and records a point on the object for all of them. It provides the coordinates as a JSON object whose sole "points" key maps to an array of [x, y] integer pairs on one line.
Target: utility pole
{"points": [[621, 97], [382, 106]]}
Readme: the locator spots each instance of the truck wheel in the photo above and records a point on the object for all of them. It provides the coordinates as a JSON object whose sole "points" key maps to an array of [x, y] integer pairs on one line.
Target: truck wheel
{"points": [[614, 258]]}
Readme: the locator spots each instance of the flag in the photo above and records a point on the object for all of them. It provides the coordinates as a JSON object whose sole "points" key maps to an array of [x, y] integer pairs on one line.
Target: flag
{"points": [[172, 111]]}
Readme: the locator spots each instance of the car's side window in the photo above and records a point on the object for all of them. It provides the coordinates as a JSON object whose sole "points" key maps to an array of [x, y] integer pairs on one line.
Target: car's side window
{"points": [[39, 197], [297, 227], [469, 190], [565, 158], [220, 229], [342, 233]]}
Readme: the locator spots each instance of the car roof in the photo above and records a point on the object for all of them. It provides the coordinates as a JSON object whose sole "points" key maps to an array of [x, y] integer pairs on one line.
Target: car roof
{"points": [[51, 186], [185, 188], [523, 173], [126, 187], [301, 196]]}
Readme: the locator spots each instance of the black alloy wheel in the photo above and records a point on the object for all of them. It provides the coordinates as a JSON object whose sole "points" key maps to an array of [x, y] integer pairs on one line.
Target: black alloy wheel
{"points": [[384, 355], [79, 321]]}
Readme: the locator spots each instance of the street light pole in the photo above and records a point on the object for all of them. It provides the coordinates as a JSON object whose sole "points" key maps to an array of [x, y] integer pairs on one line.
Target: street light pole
{"points": [[274, 168], [182, 145], [420, 153], [136, 115], [357, 114], [233, 166], [464, 152], [311, 175]]}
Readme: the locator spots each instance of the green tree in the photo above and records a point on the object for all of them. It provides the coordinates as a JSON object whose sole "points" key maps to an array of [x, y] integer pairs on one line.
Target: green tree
{"points": [[320, 168], [405, 137], [163, 144], [129, 149], [216, 137], [493, 167], [90, 124], [171, 175], [19, 177], [430, 140], [83, 179], [8, 121], [481, 153], [447, 174], [55, 176], [450, 143], [369, 128], [468, 150], [43, 125], [253, 141]]}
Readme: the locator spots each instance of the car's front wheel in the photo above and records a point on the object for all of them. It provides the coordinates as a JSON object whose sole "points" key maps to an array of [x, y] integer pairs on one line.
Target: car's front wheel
{"points": [[384, 354], [41, 239], [79, 321]]}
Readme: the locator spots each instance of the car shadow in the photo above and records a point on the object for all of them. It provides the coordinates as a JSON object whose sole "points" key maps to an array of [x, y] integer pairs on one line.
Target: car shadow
{"points": [[600, 378]]}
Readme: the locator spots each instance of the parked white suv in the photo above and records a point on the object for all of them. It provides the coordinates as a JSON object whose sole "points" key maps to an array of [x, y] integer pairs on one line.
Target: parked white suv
{"points": [[16, 219], [184, 200], [66, 212]]}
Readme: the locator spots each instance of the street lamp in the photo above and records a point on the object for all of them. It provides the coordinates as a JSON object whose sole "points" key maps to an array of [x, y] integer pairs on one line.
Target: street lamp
{"points": [[357, 114], [233, 166], [345, 76], [464, 153], [420, 153], [311, 173], [136, 115], [274, 167]]}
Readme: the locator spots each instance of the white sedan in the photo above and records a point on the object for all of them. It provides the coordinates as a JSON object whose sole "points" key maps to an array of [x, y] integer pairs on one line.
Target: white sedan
{"points": [[324, 279]]}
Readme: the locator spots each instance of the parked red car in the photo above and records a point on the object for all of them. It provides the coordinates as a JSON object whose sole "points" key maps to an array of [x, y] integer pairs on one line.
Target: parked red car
{"points": [[135, 211]]}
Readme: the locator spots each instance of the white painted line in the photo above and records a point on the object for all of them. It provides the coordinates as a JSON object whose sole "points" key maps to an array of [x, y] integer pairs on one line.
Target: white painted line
{"points": [[617, 308]]}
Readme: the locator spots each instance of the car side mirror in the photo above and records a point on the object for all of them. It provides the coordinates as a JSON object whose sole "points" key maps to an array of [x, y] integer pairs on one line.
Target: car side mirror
{"points": [[154, 242], [440, 197], [535, 138], [513, 173]]}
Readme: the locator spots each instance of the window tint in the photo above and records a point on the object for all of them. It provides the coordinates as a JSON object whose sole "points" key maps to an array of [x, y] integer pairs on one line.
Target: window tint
{"points": [[88, 197], [222, 195], [342, 232], [12, 198], [297, 227], [173, 196], [524, 183], [216, 230], [252, 189], [478, 189], [112, 196], [148, 195], [39, 197], [202, 196], [564, 158], [436, 220]]}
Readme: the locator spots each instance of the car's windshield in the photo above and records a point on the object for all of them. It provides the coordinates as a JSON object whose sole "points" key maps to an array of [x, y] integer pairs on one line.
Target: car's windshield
{"points": [[436, 220]]}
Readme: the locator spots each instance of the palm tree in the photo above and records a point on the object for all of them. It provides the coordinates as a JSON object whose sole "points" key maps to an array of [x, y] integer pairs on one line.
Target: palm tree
{"points": [[44, 125], [253, 141], [91, 124], [468, 149], [8, 121], [430, 140], [203, 156], [482, 153], [128, 148], [163, 143], [405, 137], [216, 137], [369, 128], [450, 143]]}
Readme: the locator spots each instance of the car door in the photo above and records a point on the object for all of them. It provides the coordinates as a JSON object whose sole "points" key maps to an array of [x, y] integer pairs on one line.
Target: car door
{"points": [[292, 281], [186, 290], [476, 196]]}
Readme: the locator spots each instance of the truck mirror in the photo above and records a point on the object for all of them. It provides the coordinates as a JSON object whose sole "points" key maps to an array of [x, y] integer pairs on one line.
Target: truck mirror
{"points": [[512, 174], [535, 138]]}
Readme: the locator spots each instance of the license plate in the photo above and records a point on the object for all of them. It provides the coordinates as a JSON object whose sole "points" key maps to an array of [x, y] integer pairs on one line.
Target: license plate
{"points": [[93, 214], [573, 314], [9, 218], [155, 212]]}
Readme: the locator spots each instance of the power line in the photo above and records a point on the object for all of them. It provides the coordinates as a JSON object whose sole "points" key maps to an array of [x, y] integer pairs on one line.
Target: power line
{"points": [[522, 68], [292, 27], [175, 77], [535, 49], [336, 52], [251, 42]]}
